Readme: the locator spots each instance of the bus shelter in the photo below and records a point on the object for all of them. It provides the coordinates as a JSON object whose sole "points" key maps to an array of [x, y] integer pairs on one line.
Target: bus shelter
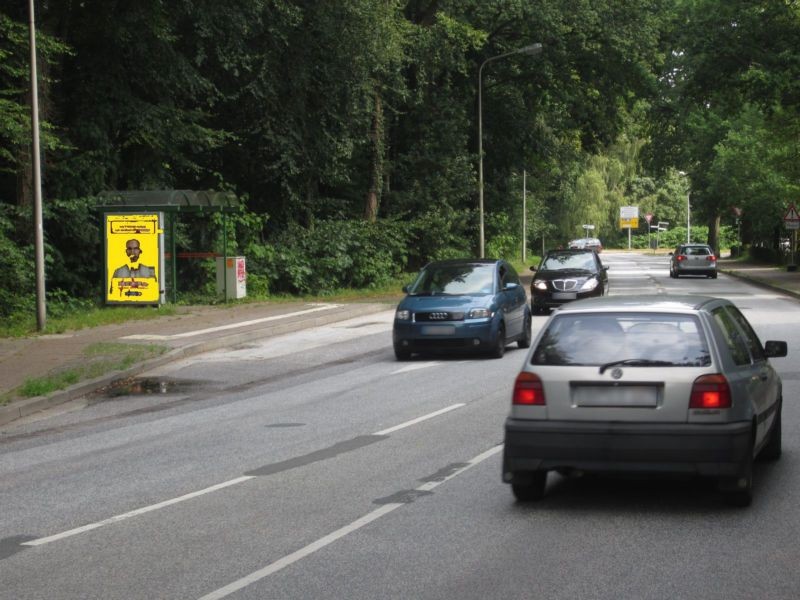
{"points": [[135, 225]]}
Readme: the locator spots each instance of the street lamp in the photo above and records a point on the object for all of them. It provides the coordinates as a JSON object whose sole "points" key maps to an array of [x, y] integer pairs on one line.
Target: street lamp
{"points": [[38, 234], [531, 49], [688, 209]]}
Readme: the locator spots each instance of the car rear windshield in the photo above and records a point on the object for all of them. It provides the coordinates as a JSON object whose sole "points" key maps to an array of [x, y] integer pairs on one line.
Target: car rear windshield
{"points": [[697, 251], [597, 339], [454, 279]]}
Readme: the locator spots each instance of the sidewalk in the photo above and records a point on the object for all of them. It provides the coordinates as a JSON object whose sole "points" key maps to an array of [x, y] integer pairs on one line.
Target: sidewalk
{"points": [[202, 328], [777, 278], [194, 330]]}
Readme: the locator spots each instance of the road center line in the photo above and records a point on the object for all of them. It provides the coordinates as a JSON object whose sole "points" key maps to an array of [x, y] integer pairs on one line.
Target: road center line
{"points": [[338, 534], [231, 325], [418, 420], [146, 509]]}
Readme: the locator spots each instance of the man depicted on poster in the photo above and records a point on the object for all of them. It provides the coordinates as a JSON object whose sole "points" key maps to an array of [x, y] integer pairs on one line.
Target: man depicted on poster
{"points": [[134, 268]]}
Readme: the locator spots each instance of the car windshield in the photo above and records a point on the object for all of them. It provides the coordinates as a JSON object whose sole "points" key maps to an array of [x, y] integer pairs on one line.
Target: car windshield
{"points": [[568, 260], [633, 339], [454, 280]]}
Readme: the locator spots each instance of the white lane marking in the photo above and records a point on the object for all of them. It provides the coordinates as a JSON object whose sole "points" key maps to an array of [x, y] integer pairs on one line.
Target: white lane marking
{"points": [[338, 534], [418, 420], [415, 366], [146, 509], [137, 512], [231, 325]]}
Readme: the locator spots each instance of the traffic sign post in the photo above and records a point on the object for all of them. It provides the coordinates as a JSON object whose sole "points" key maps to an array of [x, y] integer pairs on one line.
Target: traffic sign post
{"points": [[662, 226], [792, 222], [628, 219]]}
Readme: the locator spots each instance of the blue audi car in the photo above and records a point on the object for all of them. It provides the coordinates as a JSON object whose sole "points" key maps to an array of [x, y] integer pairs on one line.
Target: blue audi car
{"points": [[464, 304]]}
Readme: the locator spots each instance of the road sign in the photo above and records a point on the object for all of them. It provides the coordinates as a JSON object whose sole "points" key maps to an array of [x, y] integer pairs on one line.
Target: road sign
{"points": [[648, 217], [792, 218], [628, 212], [632, 223]]}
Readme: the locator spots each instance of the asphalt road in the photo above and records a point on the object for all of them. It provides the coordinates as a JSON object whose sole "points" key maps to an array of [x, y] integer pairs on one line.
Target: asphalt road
{"points": [[316, 466]]}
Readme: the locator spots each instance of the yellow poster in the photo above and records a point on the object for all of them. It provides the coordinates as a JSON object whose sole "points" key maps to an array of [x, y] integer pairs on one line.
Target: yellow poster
{"points": [[132, 259]]}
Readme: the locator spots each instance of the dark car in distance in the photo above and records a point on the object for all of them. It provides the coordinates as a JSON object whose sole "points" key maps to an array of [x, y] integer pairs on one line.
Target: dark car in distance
{"points": [[586, 244], [462, 305], [567, 275]]}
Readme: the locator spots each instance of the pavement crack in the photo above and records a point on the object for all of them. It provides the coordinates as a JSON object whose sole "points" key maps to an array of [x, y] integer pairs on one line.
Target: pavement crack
{"points": [[403, 497]]}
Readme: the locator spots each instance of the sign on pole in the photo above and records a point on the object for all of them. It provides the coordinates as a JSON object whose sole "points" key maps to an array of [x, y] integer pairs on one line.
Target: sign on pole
{"points": [[628, 217], [792, 218]]}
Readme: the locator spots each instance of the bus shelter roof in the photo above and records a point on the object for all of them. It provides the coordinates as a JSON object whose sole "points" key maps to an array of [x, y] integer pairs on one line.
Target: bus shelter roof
{"points": [[168, 201]]}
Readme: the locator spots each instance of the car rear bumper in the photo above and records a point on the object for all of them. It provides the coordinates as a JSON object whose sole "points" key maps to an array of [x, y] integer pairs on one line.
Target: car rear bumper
{"points": [[695, 271], [702, 449]]}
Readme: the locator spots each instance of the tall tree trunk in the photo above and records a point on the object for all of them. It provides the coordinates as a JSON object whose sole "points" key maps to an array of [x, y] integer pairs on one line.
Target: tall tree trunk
{"points": [[376, 162]]}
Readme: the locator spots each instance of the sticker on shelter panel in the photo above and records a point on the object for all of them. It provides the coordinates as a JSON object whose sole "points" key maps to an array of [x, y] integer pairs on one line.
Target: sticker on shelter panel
{"points": [[132, 258]]}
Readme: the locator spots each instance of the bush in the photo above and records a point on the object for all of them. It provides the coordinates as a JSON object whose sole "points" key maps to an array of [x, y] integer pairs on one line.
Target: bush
{"points": [[334, 255], [439, 234], [18, 283]]}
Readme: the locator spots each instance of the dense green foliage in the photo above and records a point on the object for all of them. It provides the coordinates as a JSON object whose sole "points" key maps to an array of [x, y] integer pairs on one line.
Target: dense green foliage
{"points": [[349, 128]]}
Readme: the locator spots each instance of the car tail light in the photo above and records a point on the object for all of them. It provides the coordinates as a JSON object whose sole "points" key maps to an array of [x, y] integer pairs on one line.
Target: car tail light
{"points": [[712, 258], [528, 390], [710, 391], [680, 257]]}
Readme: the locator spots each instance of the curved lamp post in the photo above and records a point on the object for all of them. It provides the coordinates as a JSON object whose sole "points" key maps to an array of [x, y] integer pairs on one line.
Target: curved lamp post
{"points": [[532, 49]]}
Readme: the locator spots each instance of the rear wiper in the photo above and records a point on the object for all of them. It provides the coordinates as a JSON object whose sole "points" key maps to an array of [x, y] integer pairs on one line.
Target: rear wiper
{"points": [[636, 362]]}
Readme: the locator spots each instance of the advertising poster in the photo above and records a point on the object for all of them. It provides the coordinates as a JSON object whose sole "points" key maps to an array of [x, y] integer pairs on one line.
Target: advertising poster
{"points": [[133, 263]]}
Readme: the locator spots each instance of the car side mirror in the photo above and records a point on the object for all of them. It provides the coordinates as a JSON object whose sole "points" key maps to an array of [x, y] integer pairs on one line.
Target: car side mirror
{"points": [[405, 288], [605, 268], [670, 254], [510, 286], [533, 269], [775, 349]]}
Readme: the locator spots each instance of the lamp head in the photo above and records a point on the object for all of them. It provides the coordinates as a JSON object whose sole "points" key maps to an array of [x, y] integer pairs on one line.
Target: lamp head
{"points": [[532, 49]]}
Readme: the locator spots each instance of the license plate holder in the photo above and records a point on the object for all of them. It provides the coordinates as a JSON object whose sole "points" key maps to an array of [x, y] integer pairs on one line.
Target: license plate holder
{"points": [[624, 396], [564, 295], [438, 330]]}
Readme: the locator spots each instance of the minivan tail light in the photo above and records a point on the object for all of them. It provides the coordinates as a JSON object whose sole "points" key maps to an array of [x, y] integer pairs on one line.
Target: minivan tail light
{"points": [[710, 391], [528, 390]]}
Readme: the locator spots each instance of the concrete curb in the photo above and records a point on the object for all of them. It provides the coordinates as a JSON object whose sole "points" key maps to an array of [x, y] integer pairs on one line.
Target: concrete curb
{"points": [[23, 408], [761, 283]]}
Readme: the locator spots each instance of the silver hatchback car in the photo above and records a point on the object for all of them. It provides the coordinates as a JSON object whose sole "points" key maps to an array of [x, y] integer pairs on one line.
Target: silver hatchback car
{"points": [[645, 384], [693, 259]]}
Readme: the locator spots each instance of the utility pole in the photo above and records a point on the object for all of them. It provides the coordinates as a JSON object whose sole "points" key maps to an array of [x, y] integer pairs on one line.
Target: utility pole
{"points": [[41, 311]]}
